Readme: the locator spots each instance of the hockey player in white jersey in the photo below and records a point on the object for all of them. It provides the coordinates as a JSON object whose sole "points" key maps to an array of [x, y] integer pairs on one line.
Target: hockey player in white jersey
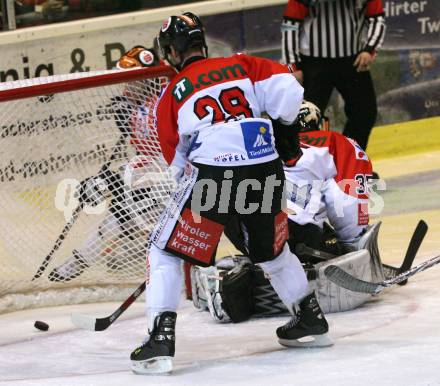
{"points": [[212, 134], [120, 239]]}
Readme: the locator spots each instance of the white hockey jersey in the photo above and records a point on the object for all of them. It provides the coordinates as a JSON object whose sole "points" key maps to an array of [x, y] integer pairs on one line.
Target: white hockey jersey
{"points": [[210, 113]]}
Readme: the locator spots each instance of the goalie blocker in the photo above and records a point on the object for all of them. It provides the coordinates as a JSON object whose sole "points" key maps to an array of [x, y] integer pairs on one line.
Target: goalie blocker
{"points": [[235, 289]]}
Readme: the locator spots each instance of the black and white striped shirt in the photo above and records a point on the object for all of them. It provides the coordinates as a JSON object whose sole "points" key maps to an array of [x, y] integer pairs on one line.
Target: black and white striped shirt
{"points": [[331, 28]]}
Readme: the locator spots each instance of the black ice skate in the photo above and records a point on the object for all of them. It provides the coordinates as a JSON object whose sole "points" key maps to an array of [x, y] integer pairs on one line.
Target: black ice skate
{"points": [[154, 356], [307, 328], [70, 269]]}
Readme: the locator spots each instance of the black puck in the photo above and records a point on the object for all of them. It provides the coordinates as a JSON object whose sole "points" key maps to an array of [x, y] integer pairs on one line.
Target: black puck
{"points": [[41, 325]]}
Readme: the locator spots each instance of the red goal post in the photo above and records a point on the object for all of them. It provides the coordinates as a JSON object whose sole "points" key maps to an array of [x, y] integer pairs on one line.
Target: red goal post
{"points": [[57, 151]]}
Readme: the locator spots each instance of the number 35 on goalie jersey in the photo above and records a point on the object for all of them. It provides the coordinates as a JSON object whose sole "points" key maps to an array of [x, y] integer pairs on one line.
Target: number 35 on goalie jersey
{"points": [[210, 113]]}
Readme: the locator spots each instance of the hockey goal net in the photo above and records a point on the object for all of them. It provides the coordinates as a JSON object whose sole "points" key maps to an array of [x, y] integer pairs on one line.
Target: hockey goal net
{"points": [[82, 183]]}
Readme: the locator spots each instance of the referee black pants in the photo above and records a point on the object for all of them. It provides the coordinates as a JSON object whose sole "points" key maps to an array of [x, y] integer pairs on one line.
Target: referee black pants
{"points": [[321, 76]]}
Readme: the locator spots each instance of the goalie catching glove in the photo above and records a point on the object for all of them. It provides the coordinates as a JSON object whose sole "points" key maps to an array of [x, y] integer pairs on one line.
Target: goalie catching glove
{"points": [[124, 105], [137, 57]]}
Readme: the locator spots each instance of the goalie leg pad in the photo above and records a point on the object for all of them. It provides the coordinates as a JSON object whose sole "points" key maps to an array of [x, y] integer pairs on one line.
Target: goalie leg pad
{"points": [[206, 292], [237, 295], [333, 298], [225, 290], [369, 241], [199, 291], [267, 301]]}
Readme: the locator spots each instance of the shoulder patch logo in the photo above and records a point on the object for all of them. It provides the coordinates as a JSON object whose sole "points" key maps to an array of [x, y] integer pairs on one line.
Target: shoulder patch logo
{"points": [[182, 89]]}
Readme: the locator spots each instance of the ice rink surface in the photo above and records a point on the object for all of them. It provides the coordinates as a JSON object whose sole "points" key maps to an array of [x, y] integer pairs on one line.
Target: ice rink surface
{"points": [[392, 340]]}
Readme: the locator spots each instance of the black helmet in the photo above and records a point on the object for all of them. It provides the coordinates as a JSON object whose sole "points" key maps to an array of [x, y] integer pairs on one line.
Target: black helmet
{"points": [[182, 32]]}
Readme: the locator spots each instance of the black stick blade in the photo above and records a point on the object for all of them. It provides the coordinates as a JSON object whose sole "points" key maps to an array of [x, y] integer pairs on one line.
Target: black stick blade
{"points": [[414, 245]]}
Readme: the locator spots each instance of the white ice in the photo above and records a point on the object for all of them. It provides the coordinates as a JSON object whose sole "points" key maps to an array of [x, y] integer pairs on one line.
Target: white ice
{"points": [[393, 340]]}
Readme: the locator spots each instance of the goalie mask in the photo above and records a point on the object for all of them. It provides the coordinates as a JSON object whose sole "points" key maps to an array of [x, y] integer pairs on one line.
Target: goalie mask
{"points": [[182, 33], [310, 118]]}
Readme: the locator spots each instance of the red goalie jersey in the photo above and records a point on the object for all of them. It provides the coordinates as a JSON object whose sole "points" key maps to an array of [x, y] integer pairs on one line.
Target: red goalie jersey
{"points": [[330, 180]]}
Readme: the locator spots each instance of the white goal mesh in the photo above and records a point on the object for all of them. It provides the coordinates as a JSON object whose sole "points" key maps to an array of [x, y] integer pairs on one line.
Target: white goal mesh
{"points": [[82, 182]]}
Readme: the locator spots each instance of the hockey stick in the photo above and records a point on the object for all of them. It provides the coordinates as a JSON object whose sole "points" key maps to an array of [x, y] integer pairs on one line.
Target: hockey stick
{"points": [[347, 281], [411, 252], [76, 214], [91, 323]]}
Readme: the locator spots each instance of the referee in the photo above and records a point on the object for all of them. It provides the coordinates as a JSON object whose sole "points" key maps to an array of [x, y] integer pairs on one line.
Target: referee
{"points": [[331, 44]]}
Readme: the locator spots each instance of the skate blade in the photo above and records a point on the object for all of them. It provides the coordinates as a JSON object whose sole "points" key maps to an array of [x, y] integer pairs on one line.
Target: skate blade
{"points": [[308, 341], [159, 365]]}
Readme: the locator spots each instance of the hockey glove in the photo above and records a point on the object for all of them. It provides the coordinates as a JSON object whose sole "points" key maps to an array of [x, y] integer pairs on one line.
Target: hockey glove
{"points": [[138, 56], [286, 141]]}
